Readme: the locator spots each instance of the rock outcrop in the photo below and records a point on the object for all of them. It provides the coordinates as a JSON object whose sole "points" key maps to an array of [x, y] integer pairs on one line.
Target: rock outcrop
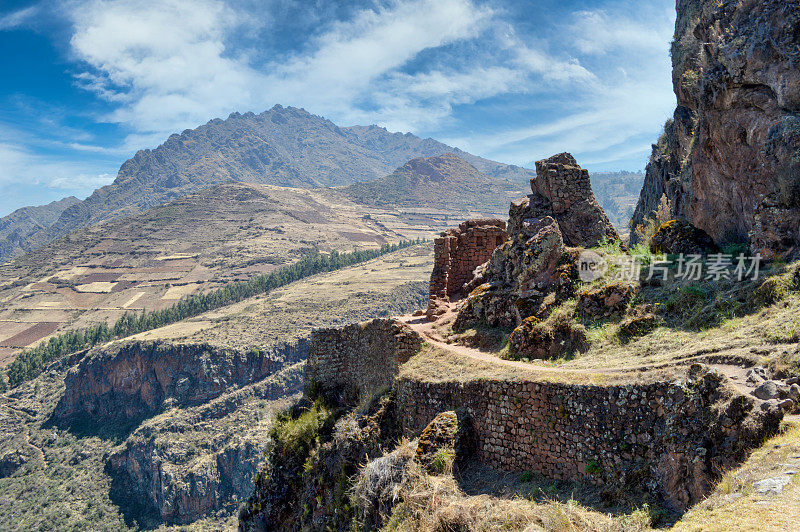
{"points": [[188, 463], [562, 189], [127, 382], [529, 266], [675, 237], [457, 253], [534, 268], [729, 162]]}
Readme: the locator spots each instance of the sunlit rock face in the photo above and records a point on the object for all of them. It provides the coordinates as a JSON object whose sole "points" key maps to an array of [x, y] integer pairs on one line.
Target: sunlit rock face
{"points": [[729, 162]]}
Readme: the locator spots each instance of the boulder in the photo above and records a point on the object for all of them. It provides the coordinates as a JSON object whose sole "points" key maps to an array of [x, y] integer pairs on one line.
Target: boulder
{"points": [[767, 390], [550, 339], [638, 325], [676, 237], [606, 300], [446, 440]]}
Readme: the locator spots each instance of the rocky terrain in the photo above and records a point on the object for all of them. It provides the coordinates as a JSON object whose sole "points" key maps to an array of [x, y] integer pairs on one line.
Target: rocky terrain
{"points": [[622, 401], [727, 162], [529, 396], [16, 228]]}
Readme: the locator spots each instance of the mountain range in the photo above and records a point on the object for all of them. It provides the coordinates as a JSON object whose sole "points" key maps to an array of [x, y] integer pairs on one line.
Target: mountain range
{"points": [[283, 146]]}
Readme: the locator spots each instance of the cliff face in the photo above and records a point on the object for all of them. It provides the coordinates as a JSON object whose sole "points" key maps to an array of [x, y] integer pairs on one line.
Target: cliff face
{"points": [[730, 161], [187, 463], [126, 382]]}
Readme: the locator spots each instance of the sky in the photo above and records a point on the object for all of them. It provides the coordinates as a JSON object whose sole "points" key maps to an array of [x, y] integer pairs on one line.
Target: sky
{"points": [[87, 83]]}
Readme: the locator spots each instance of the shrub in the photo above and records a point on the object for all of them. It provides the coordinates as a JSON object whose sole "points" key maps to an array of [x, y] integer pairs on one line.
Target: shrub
{"points": [[593, 467], [686, 298], [772, 290]]}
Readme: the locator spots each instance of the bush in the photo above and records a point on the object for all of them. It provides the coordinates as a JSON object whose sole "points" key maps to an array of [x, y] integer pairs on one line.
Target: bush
{"points": [[772, 290], [593, 467], [686, 298]]}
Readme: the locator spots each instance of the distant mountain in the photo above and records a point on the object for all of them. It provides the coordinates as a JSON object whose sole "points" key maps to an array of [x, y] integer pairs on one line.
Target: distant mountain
{"points": [[283, 146], [17, 230], [442, 182], [617, 193]]}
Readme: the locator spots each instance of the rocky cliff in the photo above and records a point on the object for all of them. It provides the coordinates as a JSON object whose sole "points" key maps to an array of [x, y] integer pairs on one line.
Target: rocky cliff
{"points": [[124, 383], [729, 161], [189, 463]]}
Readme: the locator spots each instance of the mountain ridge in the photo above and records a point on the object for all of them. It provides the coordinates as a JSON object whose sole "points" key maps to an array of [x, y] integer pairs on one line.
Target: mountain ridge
{"points": [[283, 146]]}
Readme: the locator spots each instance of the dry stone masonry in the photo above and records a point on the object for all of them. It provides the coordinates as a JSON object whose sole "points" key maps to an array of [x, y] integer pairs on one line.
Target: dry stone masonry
{"points": [[671, 438], [562, 189], [670, 435], [535, 268], [360, 359], [458, 252]]}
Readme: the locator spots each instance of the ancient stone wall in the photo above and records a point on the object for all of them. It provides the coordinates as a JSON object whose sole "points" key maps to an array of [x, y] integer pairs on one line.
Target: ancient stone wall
{"points": [[358, 359], [562, 189], [665, 435], [457, 252], [669, 435]]}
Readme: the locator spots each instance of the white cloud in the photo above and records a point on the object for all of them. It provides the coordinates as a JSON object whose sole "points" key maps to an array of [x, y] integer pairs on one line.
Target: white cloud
{"points": [[168, 67], [18, 18], [20, 166], [598, 32], [614, 107]]}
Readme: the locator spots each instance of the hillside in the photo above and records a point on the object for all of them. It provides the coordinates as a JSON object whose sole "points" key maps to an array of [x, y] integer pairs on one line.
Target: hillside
{"points": [[443, 182], [282, 146], [191, 245], [617, 193], [191, 460], [17, 228], [230, 231], [533, 397]]}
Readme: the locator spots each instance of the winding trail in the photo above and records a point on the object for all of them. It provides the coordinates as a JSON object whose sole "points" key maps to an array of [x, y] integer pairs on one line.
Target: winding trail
{"points": [[428, 330]]}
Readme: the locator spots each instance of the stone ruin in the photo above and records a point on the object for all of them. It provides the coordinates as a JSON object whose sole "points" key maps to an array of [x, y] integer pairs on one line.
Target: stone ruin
{"points": [[538, 259], [457, 253], [562, 189]]}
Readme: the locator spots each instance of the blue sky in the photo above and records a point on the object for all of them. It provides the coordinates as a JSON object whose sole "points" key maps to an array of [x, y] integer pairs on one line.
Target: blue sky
{"points": [[88, 82]]}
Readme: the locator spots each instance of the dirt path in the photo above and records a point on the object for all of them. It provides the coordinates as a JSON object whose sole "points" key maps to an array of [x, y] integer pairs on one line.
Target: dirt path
{"points": [[428, 330]]}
